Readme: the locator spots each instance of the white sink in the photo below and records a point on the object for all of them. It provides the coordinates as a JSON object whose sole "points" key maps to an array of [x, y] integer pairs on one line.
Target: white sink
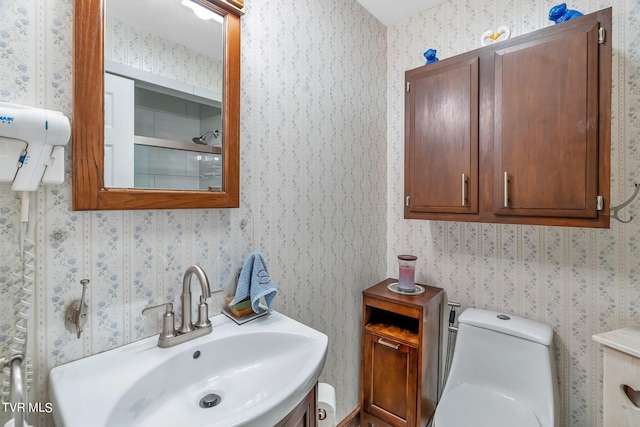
{"points": [[261, 370]]}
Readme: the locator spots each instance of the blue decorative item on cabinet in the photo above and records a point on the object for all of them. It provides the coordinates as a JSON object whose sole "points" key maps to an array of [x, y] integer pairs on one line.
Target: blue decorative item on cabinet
{"points": [[430, 54], [560, 13]]}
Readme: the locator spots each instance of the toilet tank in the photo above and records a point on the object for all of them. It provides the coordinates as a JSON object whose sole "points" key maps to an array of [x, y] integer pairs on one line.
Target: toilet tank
{"points": [[509, 355]]}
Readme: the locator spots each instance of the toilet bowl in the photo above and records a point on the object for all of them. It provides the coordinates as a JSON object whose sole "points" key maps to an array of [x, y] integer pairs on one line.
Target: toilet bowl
{"points": [[502, 374]]}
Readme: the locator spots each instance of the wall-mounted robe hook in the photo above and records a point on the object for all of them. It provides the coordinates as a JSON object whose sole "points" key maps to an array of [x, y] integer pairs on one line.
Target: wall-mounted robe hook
{"points": [[77, 310], [616, 209]]}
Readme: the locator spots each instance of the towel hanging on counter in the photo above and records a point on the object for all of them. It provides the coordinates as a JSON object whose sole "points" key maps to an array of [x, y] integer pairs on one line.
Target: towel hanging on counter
{"points": [[255, 282]]}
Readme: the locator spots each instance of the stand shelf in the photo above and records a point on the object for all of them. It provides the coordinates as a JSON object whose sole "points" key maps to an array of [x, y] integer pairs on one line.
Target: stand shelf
{"points": [[400, 356]]}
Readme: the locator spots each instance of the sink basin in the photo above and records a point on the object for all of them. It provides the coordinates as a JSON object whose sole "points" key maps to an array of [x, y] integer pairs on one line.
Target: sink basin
{"points": [[259, 372]]}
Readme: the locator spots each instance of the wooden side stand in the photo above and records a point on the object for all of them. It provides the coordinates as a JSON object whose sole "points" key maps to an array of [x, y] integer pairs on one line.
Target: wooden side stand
{"points": [[399, 378]]}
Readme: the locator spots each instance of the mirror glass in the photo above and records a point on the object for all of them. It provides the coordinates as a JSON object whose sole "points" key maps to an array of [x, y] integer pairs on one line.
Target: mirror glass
{"points": [[179, 111], [164, 76]]}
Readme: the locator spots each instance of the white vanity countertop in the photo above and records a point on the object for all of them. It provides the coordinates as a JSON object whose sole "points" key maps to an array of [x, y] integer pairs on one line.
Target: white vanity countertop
{"points": [[626, 340]]}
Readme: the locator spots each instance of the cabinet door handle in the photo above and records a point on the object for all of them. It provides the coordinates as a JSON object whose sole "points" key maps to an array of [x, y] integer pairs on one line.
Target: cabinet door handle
{"points": [[388, 344], [464, 190], [506, 190]]}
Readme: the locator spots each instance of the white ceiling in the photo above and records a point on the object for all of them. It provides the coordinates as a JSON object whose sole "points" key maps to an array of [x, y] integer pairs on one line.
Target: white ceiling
{"points": [[390, 12], [175, 22]]}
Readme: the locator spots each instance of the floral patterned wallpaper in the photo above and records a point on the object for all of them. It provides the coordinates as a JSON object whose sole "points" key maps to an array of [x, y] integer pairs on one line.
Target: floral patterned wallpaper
{"points": [[135, 48], [322, 184], [312, 188], [579, 281]]}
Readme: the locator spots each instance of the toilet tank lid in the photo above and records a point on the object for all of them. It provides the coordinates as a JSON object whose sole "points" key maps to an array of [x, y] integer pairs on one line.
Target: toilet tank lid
{"points": [[508, 324]]}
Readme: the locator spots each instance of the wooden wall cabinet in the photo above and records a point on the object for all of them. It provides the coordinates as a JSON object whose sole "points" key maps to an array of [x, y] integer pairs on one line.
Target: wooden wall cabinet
{"points": [[515, 132], [400, 356]]}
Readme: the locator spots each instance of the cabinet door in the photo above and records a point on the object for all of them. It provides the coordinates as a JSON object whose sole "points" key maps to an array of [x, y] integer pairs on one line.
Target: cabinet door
{"points": [[390, 380], [546, 126], [441, 138]]}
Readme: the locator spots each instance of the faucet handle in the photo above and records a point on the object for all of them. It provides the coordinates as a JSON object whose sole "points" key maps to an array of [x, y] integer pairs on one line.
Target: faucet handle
{"points": [[168, 323], [203, 314], [167, 307]]}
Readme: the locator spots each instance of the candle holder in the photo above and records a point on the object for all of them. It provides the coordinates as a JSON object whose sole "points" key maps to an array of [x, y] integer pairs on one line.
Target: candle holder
{"points": [[406, 284]]}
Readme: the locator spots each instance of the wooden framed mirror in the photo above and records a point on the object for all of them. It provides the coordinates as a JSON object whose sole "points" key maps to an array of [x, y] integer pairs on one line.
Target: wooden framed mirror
{"points": [[88, 133]]}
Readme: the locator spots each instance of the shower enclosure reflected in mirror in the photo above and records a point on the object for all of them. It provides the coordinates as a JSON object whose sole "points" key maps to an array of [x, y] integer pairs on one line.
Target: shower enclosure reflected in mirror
{"points": [[156, 104], [163, 95]]}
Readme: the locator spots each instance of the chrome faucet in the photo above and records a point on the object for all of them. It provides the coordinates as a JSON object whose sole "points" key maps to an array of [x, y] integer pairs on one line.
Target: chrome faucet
{"points": [[187, 330]]}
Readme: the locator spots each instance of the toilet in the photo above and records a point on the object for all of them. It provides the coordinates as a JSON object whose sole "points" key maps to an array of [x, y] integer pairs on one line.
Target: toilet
{"points": [[502, 374]]}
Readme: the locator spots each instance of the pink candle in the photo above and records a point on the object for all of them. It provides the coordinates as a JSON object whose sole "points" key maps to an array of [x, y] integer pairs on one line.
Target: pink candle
{"points": [[407, 278]]}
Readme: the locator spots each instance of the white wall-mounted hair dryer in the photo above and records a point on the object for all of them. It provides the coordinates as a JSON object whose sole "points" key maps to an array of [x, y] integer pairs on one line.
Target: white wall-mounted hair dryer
{"points": [[28, 136]]}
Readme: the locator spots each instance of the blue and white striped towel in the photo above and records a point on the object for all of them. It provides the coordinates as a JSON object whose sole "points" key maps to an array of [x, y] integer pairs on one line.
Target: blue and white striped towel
{"points": [[255, 281]]}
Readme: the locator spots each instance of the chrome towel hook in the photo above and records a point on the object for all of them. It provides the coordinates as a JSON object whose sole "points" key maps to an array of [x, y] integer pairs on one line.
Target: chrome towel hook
{"points": [[616, 209]]}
